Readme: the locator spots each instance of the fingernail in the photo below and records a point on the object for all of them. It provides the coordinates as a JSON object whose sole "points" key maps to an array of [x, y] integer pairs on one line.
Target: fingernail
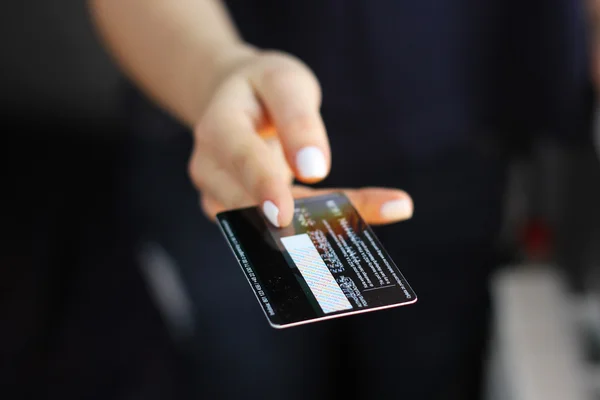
{"points": [[397, 209], [310, 162], [271, 212]]}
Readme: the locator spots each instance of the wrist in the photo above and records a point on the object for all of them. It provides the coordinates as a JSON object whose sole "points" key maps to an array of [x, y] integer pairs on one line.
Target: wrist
{"points": [[230, 58]]}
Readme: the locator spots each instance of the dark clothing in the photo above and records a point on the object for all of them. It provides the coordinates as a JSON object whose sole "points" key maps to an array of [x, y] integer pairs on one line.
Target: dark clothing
{"points": [[446, 252], [77, 321], [427, 96], [429, 75]]}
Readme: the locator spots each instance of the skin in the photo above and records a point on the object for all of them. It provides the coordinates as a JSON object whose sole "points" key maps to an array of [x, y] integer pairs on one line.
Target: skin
{"points": [[250, 110]]}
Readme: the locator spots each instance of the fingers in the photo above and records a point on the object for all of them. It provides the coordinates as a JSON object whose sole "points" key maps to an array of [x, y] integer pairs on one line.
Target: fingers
{"points": [[283, 168], [226, 140], [292, 96], [227, 193], [377, 206], [219, 190], [210, 206]]}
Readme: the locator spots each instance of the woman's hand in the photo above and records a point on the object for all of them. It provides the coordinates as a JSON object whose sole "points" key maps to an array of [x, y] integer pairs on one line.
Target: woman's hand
{"points": [[261, 129]]}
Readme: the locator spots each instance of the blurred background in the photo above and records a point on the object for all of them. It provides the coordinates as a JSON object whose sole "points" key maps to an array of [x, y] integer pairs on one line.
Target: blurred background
{"points": [[72, 302], [70, 287]]}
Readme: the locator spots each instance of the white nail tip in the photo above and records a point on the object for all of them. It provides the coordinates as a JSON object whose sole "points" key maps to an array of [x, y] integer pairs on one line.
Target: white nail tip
{"points": [[396, 209], [271, 212], [310, 162]]}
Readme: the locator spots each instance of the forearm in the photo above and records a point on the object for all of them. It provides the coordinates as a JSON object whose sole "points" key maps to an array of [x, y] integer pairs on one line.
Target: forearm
{"points": [[173, 50]]}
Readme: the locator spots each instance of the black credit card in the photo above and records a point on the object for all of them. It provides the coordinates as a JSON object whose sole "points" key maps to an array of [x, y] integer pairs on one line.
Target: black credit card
{"points": [[328, 263]]}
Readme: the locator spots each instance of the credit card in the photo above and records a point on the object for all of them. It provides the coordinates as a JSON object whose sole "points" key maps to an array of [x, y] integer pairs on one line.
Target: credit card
{"points": [[327, 264]]}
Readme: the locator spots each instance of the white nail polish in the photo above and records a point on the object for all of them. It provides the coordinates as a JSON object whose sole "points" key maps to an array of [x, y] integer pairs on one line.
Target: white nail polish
{"points": [[271, 212], [396, 209], [310, 162]]}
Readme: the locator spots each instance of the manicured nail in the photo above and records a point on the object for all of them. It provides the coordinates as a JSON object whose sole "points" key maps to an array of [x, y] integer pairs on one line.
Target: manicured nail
{"points": [[310, 162], [271, 212], [396, 209]]}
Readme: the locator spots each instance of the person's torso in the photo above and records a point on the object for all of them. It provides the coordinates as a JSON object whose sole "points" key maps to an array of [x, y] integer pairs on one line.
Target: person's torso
{"points": [[425, 76]]}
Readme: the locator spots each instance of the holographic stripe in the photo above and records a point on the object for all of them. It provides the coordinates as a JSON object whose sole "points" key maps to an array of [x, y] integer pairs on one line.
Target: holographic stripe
{"points": [[316, 274]]}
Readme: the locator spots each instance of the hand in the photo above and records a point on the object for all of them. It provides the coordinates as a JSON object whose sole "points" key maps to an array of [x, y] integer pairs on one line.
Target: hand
{"points": [[262, 128]]}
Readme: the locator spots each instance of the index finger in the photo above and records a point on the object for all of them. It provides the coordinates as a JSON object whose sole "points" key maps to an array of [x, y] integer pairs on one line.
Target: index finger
{"points": [[292, 97], [227, 136]]}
